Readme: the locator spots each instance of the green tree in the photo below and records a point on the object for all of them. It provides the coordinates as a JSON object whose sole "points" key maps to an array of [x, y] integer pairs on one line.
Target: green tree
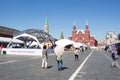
{"points": [[61, 35], [118, 36]]}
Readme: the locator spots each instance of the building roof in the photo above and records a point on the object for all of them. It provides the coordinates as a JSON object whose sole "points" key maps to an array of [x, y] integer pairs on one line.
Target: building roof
{"points": [[81, 31], [4, 39], [8, 28], [91, 35]]}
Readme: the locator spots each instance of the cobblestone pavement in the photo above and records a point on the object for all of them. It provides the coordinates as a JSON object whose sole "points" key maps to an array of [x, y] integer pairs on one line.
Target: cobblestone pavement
{"points": [[96, 67]]}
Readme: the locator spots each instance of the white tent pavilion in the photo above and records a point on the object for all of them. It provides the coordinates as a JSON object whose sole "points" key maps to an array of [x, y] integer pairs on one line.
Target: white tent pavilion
{"points": [[31, 38], [64, 42], [24, 38]]}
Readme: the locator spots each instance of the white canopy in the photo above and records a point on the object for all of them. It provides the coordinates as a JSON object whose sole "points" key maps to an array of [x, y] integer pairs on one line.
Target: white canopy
{"points": [[33, 43], [24, 35], [78, 44], [64, 42], [4, 39]]}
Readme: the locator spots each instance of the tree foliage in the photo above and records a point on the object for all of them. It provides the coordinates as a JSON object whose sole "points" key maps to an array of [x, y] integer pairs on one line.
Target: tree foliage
{"points": [[61, 35]]}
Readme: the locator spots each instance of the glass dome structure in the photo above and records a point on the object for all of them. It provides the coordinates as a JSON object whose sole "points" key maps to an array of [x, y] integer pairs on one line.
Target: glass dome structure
{"points": [[32, 37], [41, 35]]}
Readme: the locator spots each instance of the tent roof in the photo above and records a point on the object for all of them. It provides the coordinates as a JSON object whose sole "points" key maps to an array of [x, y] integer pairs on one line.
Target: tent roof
{"points": [[5, 39], [64, 42], [25, 37]]}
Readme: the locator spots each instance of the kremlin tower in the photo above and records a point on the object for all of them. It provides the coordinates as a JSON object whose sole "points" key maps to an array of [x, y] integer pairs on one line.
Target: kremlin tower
{"points": [[87, 33], [46, 28]]}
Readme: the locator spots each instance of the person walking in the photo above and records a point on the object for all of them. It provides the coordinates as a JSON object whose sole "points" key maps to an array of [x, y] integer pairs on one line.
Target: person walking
{"points": [[76, 53], [59, 62], [59, 53], [114, 56], [44, 57]]}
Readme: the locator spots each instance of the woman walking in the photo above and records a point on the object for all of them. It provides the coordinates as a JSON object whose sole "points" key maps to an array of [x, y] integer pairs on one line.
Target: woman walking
{"points": [[76, 53], [114, 56], [44, 58]]}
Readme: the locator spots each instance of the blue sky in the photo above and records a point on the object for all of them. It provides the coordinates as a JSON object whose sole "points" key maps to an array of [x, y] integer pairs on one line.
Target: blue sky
{"points": [[102, 15]]}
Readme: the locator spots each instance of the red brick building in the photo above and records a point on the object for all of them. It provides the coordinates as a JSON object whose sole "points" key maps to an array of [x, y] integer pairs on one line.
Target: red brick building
{"points": [[83, 36]]}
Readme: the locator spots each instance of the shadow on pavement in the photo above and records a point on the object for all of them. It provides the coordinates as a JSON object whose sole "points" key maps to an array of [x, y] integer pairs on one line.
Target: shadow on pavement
{"points": [[63, 68], [50, 67]]}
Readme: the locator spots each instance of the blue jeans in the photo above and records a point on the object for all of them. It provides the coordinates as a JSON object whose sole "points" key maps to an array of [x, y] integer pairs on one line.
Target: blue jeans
{"points": [[59, 64]]}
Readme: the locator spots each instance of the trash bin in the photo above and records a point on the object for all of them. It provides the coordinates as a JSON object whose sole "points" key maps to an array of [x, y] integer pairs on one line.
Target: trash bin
{"points": [[4, 52]]}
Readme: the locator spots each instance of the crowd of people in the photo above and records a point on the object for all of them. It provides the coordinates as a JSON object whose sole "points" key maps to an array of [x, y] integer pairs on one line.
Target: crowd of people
{"points": [[58, 50], [59, 53]]}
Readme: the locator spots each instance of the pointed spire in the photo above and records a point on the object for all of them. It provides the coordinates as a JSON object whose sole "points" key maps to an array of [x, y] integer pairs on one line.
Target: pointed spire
{"points": [[46, 21], [74, 23], [46, 28], [86, 22]]}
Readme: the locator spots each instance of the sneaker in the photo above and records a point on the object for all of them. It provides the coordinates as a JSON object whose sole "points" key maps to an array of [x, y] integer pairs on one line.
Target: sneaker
{"points": [[43, 67], [46, 68], [60, 69]]}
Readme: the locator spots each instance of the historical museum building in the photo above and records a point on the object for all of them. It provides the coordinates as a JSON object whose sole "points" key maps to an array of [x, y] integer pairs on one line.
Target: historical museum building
{"points": [[83, 36]]}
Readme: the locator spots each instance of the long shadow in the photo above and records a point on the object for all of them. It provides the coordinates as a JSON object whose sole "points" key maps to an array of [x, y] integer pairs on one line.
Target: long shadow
{"points": [[50, 67], [63, 68]]}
